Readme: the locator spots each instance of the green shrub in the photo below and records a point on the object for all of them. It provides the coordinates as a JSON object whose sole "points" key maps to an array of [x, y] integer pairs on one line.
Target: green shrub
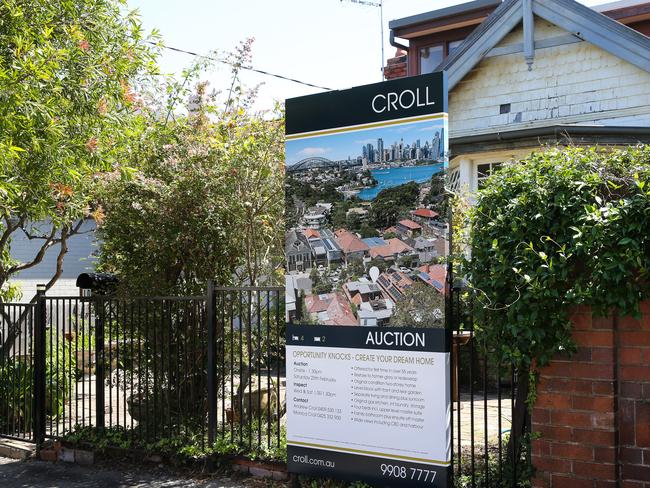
{"points": [[17, 386], [561, 228]]}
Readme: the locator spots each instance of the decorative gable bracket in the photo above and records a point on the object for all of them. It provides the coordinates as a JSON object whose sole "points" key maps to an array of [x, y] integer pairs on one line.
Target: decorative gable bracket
{"points": [[579, 21]]}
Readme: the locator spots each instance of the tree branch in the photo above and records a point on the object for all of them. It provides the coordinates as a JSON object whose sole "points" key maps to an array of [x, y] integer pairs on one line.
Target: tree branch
{"points": [[38, 258], [50, 240], [59, 260]]}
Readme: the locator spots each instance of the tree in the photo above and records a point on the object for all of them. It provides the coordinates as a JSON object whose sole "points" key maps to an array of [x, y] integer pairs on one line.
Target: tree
{"points": [[67, 108], [318, 284], [392, 203], [353, 270], [437, 198], [339, 216], [421, 306], [353, 222], [67, 68], [366, 231], [380, 264], [203, 203]]}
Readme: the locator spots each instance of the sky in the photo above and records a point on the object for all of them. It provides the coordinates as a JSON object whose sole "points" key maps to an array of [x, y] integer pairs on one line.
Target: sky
{"points": [[339, 146], [331, 43]]}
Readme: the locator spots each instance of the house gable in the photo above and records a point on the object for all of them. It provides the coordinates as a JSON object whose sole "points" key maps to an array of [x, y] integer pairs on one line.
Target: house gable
{"points": [[571, 81], [578, 20]]}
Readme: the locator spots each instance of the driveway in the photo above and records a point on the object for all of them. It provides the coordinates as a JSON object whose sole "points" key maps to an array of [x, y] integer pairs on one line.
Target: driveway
{"points": [[41, 474]]}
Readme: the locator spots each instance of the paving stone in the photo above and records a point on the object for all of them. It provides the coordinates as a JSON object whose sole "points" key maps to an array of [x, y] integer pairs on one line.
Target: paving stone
{"points": [[16, 449]]}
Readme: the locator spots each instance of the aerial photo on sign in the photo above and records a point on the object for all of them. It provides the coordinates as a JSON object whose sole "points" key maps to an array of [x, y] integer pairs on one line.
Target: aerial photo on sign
{"points": [[367, 223]]}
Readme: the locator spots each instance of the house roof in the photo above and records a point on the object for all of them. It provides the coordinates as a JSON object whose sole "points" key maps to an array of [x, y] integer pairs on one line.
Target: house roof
{"points": [[311, 233], [361, 287], [349, 242], [295, 241], [462, 9], [425, 213], [393, 246], [409, 224], [434, 275], [394, 283], [423, 243], [582, 22], [374, 241], [331, 308]]}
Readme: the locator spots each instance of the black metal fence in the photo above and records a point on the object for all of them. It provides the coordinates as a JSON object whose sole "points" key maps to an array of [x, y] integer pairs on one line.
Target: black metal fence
{"points": [[488, 449], [211, 369], [205, 368], [17, 370]]}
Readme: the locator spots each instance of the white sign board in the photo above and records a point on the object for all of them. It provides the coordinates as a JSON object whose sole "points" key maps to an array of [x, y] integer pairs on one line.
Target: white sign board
{"points": [[369, 404]]}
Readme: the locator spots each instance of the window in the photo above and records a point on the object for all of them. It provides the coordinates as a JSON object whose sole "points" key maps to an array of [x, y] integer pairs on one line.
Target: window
{"points": [[430, 58], [483, 171], [452, 45], [432, 55]]}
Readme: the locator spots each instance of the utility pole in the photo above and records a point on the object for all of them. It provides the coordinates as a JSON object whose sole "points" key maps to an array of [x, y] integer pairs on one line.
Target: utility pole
{"points": [[380, 5]]}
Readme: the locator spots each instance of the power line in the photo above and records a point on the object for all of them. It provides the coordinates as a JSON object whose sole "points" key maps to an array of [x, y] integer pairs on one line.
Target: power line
{"points": [[249, 68]]}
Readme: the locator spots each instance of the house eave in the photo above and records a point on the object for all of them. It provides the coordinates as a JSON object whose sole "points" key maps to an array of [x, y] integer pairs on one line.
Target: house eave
{"points": [[581, 135]]}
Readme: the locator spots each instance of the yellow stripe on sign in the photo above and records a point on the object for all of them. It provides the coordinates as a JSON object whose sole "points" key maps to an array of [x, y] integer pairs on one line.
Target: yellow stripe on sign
{"points": [[371, 453], [351, 128]]}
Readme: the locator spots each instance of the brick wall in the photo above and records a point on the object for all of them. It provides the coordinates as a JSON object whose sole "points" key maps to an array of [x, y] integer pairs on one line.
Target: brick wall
{"points": [[634, 399], [593, 409], [396, 67]]}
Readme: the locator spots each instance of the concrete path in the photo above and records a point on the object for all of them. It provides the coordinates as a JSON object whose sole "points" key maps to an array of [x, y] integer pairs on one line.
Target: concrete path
{"points": [[33, 473]]}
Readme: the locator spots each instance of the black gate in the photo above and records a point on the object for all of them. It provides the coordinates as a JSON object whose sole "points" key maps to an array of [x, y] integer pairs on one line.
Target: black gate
{"points": [[488, 449]]}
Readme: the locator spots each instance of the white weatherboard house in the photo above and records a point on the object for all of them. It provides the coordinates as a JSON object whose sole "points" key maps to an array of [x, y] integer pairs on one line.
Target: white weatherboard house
{"points": [[80, 258], [525, 73]]}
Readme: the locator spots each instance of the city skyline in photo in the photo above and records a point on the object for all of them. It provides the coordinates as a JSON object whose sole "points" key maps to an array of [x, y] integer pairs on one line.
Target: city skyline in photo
{"points": [[370, 143]]}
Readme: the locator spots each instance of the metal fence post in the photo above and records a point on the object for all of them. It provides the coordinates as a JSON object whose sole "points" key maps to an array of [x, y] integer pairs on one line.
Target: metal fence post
{"points": [[40, 324], [212, 362], [99, 363]]}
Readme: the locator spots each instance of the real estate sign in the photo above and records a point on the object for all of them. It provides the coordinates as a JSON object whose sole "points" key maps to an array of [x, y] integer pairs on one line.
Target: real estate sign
{"points": [[366, 240], [366, 212], [369, 404]]}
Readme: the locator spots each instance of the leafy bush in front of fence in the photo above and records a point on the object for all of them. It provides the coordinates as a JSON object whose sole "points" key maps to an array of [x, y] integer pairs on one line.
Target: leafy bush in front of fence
{"points": [[16, 394], [185, 449], [60, 375], [563, 227], [17, 386], [495, 471]]}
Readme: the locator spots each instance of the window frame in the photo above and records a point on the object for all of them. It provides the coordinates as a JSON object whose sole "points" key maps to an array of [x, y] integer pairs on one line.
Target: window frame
{"points": [[493, 165], [439, 38], [429, 46]]}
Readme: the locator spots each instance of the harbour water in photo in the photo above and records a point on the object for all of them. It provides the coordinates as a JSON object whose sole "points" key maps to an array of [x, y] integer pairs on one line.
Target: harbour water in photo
{"points": [[389, 177]]}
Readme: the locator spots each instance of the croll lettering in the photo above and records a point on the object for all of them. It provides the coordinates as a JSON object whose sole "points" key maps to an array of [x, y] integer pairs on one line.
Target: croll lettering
{"points": [[403, 100]]}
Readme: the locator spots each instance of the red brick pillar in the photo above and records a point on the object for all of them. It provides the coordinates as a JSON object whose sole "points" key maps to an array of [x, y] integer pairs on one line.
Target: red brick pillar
{"points": [[593, 410], [634, 399], [396, 67], [575, 411]]}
